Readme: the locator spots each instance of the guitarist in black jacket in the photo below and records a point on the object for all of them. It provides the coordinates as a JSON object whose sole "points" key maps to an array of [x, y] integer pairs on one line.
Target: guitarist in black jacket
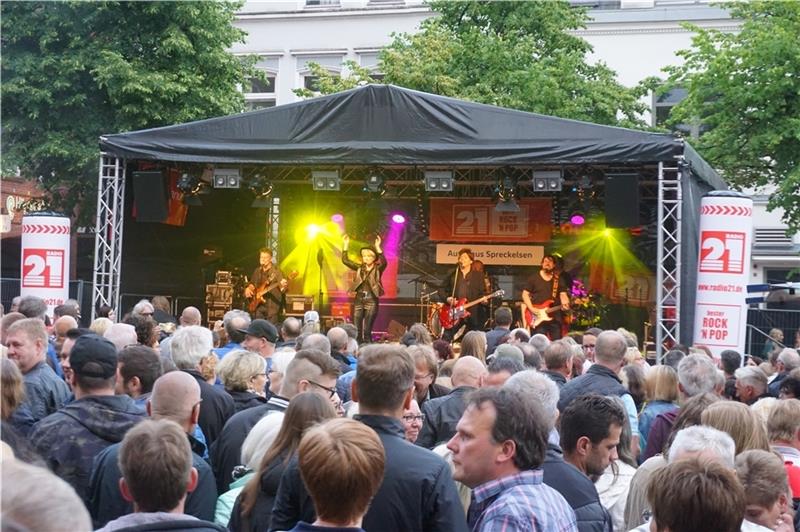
{"points": [[546, 295], [465, 284], [267, 289]]}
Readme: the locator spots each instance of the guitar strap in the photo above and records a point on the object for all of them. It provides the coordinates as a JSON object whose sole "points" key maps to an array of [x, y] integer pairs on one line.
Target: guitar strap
{"points": [[555, 287]]}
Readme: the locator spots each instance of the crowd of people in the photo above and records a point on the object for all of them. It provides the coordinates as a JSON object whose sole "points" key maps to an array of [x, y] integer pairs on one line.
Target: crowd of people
{"points": [[159, 423]]}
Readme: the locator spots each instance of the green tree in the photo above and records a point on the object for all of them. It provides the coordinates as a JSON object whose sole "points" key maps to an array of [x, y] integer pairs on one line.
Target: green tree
{"points": [[512, 54], [328, 83], [75, 70], [745, 91]]}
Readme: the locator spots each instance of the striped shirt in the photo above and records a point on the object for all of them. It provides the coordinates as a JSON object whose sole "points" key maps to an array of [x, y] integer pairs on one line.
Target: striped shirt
{"points": [[520, 502]]}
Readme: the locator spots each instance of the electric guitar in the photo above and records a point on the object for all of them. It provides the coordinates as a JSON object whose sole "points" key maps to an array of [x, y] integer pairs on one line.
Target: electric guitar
{"points": [[263, 291], [451, 315], [541, 313]]}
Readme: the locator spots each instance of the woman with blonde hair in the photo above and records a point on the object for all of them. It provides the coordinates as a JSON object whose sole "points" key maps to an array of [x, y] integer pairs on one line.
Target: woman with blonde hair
{"points": [[244, 376], [474, 345], [100, 325], [661, 394], [743, 425]]}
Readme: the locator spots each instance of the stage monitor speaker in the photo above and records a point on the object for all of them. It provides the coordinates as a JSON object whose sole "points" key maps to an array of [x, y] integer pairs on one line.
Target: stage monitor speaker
{"points": [[150, 196], [622, 200]]}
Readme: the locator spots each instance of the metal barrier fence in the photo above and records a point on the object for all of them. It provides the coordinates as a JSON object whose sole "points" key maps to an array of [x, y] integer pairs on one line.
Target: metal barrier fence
{"points": [[759, 323], [79, 290]]}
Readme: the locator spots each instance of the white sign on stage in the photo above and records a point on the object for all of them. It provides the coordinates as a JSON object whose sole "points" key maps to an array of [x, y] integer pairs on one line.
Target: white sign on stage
{"points": [[723, 271], [45, 259], [492, 254]]}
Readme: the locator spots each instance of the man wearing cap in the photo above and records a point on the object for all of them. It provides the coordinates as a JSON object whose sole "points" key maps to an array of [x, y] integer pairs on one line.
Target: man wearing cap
{"points": [[261, 337], [71, 438]]}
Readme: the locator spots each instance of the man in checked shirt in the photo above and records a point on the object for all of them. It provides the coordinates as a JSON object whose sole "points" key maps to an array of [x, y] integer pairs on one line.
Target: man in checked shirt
{"points": [[498, 450]]}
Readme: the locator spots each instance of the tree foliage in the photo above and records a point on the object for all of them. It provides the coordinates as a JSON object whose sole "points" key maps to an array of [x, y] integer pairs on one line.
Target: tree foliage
{"points": [[512, 54], [328, 83], [75, 70], [745, 91]]}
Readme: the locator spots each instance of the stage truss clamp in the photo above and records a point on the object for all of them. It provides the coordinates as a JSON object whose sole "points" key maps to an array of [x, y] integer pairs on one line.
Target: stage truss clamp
{"points": [[668, 264], [108, 233]]}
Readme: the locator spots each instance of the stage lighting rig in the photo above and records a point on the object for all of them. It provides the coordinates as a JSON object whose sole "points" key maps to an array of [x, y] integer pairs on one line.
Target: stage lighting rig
{"points": [[262, 189], [325, 180], [438, 181], [547, 181], [191, 187], [375, 183], [226, 178], [506, 193]]}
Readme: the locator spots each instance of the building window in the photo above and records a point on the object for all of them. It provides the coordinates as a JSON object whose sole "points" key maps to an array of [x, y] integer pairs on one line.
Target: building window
{"points": [[259, 86], [255, 105], [311, 82], [321, 3]]}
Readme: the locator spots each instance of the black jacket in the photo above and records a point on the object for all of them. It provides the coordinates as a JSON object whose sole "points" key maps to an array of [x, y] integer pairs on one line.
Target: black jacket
{"points": [[260, 517], [578, 490], [105, 501], [417, 492], [245, 400], [367, 279], [215, 410], [434, 391], [475, 287], [226, 451], [597, 379], [441, 417], [556, 377]]}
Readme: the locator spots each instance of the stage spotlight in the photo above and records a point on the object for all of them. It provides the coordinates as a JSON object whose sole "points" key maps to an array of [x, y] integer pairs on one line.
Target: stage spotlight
{"points": [[398, 218], [190, 186], [375, 183], [325, 180], [262, 189], [312, 230], [438, 181], [226, 178], [509, 205], [547, 181], [577, 218], [608, 233], [337, 218]]}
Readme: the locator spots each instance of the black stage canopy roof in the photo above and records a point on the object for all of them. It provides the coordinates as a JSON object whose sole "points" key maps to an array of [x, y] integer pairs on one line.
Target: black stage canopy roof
{"points": [[388, 125]]}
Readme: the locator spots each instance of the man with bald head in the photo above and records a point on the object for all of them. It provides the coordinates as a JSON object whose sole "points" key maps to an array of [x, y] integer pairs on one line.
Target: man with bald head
{"points": [[175, 396], [442, 413], [339, 339], [190, 316]]}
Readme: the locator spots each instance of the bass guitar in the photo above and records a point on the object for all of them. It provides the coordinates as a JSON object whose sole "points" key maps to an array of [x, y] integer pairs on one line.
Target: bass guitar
{"points": [[263, 291], [541, 313], [451, 315]]}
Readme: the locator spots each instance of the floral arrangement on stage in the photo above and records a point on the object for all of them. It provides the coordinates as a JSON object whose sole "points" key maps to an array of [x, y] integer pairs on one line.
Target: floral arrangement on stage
{"points": [[588, 308]]}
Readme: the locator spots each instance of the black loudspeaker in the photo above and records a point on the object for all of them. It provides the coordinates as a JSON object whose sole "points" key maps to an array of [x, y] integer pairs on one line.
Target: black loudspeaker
{"points": [[150, 196], [622, 200]]}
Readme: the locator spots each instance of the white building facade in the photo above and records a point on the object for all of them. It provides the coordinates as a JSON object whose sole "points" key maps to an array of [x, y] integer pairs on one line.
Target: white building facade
{"points": [[636, 38]]}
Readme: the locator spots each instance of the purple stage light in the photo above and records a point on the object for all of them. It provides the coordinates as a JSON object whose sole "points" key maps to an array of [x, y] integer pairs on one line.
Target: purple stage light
{"points": [[399, 219], [577, 219], [337, 218]]}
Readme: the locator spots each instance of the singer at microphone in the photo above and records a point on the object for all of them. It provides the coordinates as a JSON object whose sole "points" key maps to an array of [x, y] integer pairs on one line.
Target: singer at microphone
{"points": [[367, 286]]}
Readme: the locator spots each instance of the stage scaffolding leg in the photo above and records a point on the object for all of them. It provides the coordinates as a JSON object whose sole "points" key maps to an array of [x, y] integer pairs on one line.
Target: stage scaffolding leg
{"points": [[273, 223], [108, 233], [668, 274]]}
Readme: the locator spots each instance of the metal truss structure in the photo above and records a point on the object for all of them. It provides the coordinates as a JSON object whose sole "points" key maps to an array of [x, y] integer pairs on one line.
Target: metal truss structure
{"points": [[408, 183], [108, 232], [668, 264]]}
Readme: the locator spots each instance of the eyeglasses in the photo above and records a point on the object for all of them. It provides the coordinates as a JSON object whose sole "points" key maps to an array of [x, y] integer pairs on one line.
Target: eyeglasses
{"points": [[258, 375], [331, 391], [410, 418]]}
